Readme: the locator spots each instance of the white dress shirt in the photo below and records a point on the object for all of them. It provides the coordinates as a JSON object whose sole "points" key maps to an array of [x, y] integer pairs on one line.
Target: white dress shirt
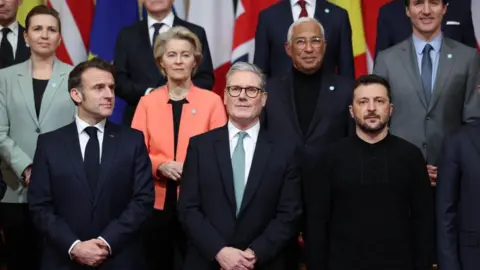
{"points": [[83, 139], [12, 37], [296, 9], [249, 143]]}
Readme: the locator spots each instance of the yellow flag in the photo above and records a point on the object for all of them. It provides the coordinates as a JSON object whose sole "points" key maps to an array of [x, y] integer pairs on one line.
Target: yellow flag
{"points": [[24, 8]]}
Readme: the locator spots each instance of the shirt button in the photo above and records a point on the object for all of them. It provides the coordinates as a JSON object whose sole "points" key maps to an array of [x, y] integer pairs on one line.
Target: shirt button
{"points": [[37, 130]]}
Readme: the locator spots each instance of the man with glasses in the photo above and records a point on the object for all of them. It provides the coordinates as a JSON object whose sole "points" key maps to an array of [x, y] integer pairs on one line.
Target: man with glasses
{"points": [[240, 209], [308, 106]]}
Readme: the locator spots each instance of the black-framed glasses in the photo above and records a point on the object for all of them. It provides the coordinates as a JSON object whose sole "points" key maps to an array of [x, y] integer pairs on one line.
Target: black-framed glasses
{"points": [[250, 91]]}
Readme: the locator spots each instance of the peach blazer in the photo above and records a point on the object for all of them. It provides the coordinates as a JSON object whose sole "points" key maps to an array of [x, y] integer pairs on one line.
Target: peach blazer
{"points": [[154, 117]]}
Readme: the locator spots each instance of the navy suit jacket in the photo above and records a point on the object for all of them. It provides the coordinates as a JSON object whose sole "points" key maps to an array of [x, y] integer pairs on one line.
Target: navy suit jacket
{"points": [[136, 69], [64, 209], [458, 200], [271, 36], [270, 209], [331, 120], [393, 25]]}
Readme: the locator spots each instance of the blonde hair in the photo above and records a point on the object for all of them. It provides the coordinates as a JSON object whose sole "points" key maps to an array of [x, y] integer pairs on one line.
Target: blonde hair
{"points": [[180, 33]]}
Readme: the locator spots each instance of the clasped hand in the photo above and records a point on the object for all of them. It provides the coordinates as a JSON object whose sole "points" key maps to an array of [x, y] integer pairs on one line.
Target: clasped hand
{"points": [[171, 169], [235, 259], [92, 252]]}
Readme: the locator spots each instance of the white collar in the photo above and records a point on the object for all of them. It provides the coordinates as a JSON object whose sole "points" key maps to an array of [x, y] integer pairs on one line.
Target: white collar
{"points": [[168, 21], [81, 125], [14, 27], [252, 131]]}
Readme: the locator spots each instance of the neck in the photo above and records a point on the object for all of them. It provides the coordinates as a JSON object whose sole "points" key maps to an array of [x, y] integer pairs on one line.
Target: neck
{"points": [[7, 22], [244, 125], [40, 62], [372, 137], [88, 118], [178, 88], [159, 16], [426, 36]]}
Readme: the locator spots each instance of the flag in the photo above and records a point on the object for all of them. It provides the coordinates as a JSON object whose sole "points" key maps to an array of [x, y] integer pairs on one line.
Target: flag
{"points": [[216, 17], [476, 19], [370, 17], [76, 17], [110, 17], [246, 20], [24, 8], [354, 8]]}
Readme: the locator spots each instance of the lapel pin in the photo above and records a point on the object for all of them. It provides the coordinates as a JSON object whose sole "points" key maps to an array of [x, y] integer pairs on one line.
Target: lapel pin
{"points": [[194, 111], [449, 55], [331, 88], [54, 85], [327, 10], [111, 135]]}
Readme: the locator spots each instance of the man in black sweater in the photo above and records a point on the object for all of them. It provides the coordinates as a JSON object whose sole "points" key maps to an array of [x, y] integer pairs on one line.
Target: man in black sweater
{"points": [[369, 205]]}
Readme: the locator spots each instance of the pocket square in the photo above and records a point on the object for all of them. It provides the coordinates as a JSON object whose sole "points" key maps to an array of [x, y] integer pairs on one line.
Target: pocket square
{"points": [[453, 23]]}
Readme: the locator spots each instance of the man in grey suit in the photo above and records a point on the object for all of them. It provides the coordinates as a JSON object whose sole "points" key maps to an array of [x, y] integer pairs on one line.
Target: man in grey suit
{"points": [[433, 80]]}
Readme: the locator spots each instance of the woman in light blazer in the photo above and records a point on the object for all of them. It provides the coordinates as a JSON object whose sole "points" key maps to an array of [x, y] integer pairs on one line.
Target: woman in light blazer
{"points": [[34, 99], [168, 117]]}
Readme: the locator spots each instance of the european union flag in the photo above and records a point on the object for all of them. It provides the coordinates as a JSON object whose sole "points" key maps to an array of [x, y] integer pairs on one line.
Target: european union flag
{"points": [[110, 17]]}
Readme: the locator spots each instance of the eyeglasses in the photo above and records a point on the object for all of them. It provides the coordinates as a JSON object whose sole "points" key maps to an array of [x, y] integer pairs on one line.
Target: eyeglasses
{"points": [[315, 42], [250, 91]]}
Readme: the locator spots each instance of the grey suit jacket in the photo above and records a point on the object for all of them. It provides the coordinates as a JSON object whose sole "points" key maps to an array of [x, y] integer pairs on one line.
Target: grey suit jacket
{"points": [[19, 124], [455, 99]]}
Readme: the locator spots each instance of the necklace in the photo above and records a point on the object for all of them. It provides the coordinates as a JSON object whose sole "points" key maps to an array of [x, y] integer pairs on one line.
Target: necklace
{"points": [[173, 97]]}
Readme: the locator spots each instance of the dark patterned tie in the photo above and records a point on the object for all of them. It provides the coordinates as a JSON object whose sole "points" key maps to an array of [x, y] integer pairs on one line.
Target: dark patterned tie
{"points": [[156, 27], [92, 157], [6, 50], [303, 5]]}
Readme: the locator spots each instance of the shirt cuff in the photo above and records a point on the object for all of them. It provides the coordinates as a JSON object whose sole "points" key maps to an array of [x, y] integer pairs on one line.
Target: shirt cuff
{"points": [[71, 248], [149, 90], [108, 245]]}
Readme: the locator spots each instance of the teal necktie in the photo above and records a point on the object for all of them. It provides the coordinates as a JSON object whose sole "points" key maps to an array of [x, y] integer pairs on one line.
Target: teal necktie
{"points": [[238, 165]]}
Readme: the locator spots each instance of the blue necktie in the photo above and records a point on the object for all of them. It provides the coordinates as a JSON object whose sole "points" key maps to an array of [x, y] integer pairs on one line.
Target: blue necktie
{"points": [[427, 72], [238, 165]]}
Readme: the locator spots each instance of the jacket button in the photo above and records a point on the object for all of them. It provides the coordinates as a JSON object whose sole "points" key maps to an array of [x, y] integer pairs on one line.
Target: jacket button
{"points": [[37, 130], [424, 145]]}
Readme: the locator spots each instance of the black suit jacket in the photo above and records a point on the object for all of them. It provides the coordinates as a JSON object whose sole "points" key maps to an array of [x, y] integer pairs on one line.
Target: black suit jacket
{"points": [[331, 120], [458, 200], [393, 25], [3, 186], [136, 69], [271, 35], [23, 52], [64, 209], [270, 209]]}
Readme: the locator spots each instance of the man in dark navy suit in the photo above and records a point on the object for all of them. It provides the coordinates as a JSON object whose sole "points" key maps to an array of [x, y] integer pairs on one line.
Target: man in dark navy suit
{"points": [[13, 49], [240, 209], [458, 198], [394, 26], [272, 29], [137, 71], [91, 184]]}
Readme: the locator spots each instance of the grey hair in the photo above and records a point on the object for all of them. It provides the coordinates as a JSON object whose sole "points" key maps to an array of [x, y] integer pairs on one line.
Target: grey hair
{"points": [[302, 20], [245, 66]]}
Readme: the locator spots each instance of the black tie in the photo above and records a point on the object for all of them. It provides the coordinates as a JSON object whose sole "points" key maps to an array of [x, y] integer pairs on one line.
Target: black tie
{"points": [[6, 50], [92, 157], [427, 72], [156, 27]]}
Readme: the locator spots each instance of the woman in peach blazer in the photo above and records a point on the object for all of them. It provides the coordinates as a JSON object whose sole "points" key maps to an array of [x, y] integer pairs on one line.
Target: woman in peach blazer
{"points": [[168, 117]]}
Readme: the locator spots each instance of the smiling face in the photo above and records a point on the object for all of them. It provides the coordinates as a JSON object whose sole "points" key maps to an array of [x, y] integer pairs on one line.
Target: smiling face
{"points": [[426, 17]]}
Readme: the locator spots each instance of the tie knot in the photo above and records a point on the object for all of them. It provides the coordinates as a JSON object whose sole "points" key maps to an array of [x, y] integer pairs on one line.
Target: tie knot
{"points": [[427, 48], [91, 131], [301, 3], [6, 31], [157, 26], [241, 135]]}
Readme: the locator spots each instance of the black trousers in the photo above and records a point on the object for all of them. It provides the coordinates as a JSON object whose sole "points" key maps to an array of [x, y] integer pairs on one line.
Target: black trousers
{"points": [[23, 243]]}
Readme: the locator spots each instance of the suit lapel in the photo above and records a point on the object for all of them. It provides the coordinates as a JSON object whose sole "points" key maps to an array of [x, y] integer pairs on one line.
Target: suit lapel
{"points": [[72, 146], [445, 65], [147, 47], [259, 163], [288, 99], [323, 100], [58, 75], [24, 78], [23, 52], [109, 149], [409, 59], [224, 161]]}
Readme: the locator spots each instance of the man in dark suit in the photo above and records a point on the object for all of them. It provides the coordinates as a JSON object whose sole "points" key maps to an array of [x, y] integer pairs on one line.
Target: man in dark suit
{"points": [[458, 189], [240, 210], [394, 26], [272, 30], [12, 46], [136, 69], [91, 184]]}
